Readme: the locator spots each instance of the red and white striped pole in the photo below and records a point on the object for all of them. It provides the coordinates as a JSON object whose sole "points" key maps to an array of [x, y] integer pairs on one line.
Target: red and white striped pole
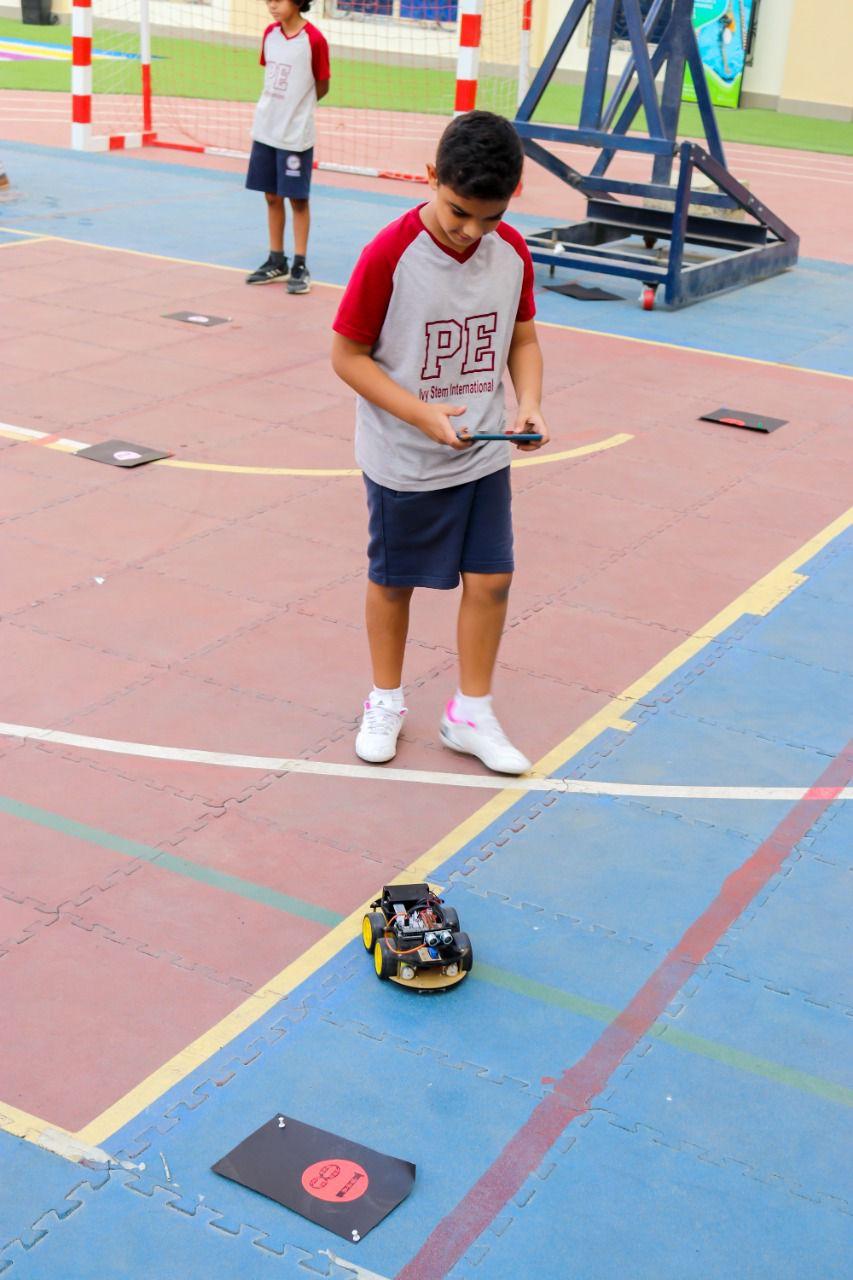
{"points": [[468, 60], [524, 50], [145, 60], [81, 74], [82, 138]]}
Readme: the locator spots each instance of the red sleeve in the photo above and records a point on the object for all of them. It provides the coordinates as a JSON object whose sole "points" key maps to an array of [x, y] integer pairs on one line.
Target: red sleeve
{"points": [[319, 53], [271, 27], [526, 303], [362, 309]]}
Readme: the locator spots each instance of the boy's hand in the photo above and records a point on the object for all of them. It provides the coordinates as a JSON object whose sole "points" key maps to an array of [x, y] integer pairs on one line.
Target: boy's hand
{"points": [[529, 420], [436, 424]]}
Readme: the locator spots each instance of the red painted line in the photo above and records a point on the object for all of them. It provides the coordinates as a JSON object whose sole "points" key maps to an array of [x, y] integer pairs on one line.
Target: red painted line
{"points": [[401, 177], [57, 435], [177, 146], [580, 1084]]}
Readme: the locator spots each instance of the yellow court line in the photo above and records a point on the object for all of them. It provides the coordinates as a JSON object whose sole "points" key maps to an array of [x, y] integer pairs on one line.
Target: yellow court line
{"points": [[610, 442], [29, 235], [548, 324], [72, 446], [760, 599], [136, 253], [16, 244], [20, 1123]]}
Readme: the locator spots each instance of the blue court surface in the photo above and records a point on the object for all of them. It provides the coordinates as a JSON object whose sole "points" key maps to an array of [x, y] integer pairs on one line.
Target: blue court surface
{"points": [[729, 1104], [207, 216]]}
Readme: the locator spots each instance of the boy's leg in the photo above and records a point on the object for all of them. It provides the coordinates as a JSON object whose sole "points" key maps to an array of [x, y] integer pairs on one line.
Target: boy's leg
{"points": [[300, 276], [275, 267], [275, 222], [469, 724], [387, 616], [263, 175], [482, 614], [301, 227], [386, 613]]}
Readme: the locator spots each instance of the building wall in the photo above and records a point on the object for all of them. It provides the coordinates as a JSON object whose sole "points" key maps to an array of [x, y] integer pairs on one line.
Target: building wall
{"points": [[819, 66]]}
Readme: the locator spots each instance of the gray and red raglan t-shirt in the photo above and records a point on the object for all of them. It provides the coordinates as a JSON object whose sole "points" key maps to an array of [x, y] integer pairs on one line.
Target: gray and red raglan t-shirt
{"points": [[440, 324], [284, 116]]}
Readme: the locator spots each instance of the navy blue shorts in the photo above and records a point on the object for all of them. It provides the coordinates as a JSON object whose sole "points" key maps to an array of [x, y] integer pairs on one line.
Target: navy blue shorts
{"points": [[426, 539], [280, 173]]}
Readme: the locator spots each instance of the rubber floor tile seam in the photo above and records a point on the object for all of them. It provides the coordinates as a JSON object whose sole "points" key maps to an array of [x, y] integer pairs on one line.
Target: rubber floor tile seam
{"points": [[293, 603], [787, 740], [399, 1044], [777, 988], [289, 1013], [243, 985], [570, 1144], [574, 923], [160, 1197]]}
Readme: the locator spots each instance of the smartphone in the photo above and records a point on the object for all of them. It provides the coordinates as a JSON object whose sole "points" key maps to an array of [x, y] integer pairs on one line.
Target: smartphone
{"points": [[521, 437]]}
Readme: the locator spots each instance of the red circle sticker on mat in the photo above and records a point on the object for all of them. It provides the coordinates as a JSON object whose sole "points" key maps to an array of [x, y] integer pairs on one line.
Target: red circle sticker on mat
{"points": [[335, 1180]]}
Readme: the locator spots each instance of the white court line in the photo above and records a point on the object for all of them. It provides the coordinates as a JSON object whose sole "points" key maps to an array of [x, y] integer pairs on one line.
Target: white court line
{"points": [[359, 1273], [375, 773]]}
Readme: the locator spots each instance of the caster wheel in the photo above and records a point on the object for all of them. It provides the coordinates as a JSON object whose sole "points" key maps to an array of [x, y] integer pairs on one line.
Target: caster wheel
{"points": [[647, 299]]}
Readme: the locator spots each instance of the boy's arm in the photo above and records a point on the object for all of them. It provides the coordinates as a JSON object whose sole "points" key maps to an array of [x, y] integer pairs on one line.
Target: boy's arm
{"points": [[525, 369], [322, 87], [354, 364]]}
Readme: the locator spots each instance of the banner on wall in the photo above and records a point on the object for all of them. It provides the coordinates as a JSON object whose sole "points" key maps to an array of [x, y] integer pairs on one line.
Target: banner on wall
{"points": [[722, 33]]}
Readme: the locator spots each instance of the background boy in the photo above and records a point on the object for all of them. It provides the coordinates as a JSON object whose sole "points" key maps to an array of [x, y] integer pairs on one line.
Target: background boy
{"points": [[295, 58], [439, 305]]}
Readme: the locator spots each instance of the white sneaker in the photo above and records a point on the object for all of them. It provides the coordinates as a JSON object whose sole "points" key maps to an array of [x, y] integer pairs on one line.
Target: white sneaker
{"points": [[380, 728], [486, 740]]}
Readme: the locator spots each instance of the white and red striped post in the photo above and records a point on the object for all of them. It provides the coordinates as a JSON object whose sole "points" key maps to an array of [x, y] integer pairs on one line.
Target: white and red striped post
{"points": [[468, 60], [145, 60], [524, 50], [82, 138], [81, 75]]}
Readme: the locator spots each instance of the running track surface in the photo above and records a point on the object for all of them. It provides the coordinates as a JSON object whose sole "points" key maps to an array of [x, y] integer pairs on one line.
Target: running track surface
{"points": [[644, 1074]]}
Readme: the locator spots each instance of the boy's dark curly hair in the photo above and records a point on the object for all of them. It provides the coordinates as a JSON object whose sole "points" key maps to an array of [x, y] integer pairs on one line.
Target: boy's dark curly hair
{"points": [[304, 5], [480, 156]]}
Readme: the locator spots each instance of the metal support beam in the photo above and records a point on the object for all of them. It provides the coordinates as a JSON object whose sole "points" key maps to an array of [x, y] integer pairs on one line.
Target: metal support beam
{"points": [[659, 238]]}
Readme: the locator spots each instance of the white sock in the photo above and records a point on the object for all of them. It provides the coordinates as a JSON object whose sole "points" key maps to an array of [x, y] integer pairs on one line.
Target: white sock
{"points": [[391, 698], [467, 708]]}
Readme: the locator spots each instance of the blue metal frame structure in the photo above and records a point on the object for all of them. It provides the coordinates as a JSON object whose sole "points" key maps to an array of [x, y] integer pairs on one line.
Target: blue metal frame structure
{"points": [[707, 251]]}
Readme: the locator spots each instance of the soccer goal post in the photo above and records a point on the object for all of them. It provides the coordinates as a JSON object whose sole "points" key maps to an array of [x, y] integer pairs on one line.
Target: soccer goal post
{"points": [[184, 74]]}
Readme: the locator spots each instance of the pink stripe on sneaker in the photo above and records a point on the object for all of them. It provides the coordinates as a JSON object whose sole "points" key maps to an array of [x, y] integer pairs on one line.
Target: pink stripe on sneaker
{"points": [[454, 719]]}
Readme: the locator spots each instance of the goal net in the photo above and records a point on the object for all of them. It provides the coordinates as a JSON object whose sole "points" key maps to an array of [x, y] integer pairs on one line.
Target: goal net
{"points": [[185, 73]]}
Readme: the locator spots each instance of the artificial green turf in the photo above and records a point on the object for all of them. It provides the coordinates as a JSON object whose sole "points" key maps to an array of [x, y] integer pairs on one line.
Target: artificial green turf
{"points": [[198, 69]]}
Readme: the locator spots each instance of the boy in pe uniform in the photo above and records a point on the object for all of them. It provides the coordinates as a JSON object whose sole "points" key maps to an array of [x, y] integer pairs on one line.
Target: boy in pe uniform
{"points": [[439, 305], [295, 58]]}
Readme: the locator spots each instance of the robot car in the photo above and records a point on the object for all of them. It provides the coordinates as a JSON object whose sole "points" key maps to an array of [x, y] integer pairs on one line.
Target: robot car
{"points": [[415, 939]]}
